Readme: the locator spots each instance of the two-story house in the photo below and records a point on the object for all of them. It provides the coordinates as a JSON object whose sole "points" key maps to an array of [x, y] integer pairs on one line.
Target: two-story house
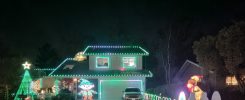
{"points": [[110, 68]]}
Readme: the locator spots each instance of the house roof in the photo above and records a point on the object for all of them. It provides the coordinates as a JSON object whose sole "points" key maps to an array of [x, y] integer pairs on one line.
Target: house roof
{"points": [[44, 71], [71, 68], [187, 70], [115, 50]]}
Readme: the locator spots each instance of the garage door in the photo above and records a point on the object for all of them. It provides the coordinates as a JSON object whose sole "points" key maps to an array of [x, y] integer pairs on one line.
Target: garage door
{"points": [[113, 89]]}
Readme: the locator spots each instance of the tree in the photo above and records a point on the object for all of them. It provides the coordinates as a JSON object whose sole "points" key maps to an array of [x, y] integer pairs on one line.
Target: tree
{"points": [[231, 47], [229, 42], [9, 63], [164, 53], [207, 55], [47, 57], [24, 88], [226, 49]]}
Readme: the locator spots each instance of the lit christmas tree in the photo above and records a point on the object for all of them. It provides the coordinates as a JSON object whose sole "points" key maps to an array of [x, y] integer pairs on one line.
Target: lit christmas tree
{"points": [[24, 90]]}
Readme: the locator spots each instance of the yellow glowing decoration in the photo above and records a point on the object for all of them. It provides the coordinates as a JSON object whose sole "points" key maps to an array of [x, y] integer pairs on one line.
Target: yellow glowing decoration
{"points": [[80, 57], [36, 86], [26, 65], [74, 79], [193, 87]]}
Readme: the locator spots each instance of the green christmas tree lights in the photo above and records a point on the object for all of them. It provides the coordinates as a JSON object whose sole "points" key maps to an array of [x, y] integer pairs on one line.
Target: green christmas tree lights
{"points": [[25, 90]]}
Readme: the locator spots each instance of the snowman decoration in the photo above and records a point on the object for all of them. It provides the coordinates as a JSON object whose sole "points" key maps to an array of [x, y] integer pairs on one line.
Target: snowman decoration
{"points": [[87, 91]]}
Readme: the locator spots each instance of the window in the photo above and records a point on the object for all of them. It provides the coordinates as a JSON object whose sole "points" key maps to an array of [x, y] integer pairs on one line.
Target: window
{"points": [[231, 80], [129, 62], [102, 62]]}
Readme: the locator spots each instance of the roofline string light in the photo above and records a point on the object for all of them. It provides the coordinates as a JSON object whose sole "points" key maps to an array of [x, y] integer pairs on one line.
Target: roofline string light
{"points": [[145, 52], [60, 65], [103, 75], [45, 69], [146, 75]]}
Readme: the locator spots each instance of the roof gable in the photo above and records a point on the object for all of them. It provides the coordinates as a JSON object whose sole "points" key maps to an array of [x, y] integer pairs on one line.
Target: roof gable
{"points": [[70, 66], [188, 69], [115, 50]]}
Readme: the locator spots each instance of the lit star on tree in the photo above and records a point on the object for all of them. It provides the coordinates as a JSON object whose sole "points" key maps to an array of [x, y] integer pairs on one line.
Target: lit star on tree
{"points": [[26, 65]]}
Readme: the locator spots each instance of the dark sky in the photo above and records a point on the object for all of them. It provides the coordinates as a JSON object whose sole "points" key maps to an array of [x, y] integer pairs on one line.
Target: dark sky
{"points": [[25, 25]]}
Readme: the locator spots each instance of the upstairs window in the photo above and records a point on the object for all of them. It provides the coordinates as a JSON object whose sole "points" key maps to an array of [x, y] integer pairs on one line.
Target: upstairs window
{"points": [[102, 62], [129, 62], [231, 80]]}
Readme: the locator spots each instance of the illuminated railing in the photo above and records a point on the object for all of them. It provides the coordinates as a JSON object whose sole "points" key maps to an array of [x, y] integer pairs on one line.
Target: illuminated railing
{"points": [[155, 97]]}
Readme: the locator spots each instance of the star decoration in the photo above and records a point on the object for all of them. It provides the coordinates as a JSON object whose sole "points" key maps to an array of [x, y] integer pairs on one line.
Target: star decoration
{"points": [[26, 65]]}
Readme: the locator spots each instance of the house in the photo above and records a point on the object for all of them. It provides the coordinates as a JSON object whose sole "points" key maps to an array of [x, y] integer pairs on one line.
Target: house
{"points": [[110, 68], [187, 70], [180, 79], [231, 80]]}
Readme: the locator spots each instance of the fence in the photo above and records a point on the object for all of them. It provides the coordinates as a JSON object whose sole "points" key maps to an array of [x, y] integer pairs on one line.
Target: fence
{"points": [[155, 97]]}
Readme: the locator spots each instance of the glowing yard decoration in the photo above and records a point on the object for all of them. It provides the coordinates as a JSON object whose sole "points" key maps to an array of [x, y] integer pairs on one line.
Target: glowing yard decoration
{"points": [[26, 65], [55, 88], [122, 69], [36, 85], [193, 88], [182, 96], [87, 91], [25, 87], [80, 57]]}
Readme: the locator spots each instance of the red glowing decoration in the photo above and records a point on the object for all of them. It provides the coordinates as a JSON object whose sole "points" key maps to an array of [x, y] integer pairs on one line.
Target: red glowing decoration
{"points": [[193, 86], [122, 69]]}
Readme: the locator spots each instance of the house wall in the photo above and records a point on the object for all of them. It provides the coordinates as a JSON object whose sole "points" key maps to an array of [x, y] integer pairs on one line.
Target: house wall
{"points": [[110, 85], [217, 81], [115, 62]]}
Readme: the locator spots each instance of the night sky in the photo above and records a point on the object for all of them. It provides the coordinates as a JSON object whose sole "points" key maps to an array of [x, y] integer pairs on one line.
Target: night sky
{"points": [[25, 25]]}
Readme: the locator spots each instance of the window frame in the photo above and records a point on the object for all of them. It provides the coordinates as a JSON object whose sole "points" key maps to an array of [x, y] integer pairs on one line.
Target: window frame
{"points": [[96, 62], [135, 62]]}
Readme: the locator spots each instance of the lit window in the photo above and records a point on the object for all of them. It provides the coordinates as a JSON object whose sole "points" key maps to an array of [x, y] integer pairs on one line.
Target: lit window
{"points": [[129, 62], [231, 80], [102, 62]]}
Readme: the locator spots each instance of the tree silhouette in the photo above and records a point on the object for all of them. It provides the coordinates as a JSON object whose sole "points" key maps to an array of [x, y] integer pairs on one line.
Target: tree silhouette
{"points": [[47, 57]]}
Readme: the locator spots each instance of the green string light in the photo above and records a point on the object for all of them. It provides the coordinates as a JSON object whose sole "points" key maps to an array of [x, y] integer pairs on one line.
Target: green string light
{"points": [[25, 86], [156, 97], [86, 49], [45, 69]]}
